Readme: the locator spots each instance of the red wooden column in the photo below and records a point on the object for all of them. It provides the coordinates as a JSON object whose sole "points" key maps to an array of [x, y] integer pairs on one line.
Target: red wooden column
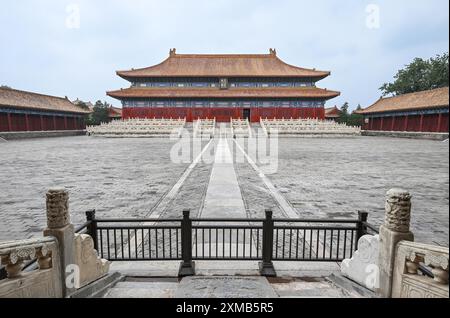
{"points": [[405, 127], [65, 122], [439, 123], [42, 122], [27, 123], [9, 121], [54, 122], [370, 123], [382, 124], [393, 123], [421, 123]]}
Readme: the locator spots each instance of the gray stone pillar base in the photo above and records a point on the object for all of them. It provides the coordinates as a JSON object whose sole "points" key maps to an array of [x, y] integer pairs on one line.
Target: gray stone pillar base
{"points": [[65, 236], [186, 269], [388, 241], [267, 269]]}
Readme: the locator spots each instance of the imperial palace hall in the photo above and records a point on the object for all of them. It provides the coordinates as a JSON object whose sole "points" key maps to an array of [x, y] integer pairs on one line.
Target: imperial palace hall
{"points": [[225, 86], [22, 111]]}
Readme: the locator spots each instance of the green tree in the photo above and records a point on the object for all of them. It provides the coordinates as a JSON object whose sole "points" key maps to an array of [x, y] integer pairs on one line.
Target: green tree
{"points": [[355, 120], [352, 119], [420, 75], [100, 114], [344, 113]]}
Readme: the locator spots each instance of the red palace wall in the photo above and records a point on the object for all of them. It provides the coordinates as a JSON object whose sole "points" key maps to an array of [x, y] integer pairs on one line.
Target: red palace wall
{"points": [[221, 114], [418, 123], [21, 122]]}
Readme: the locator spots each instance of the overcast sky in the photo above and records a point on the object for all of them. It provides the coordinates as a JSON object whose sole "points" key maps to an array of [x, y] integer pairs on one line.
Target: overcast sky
{"points": [[46, 48]]}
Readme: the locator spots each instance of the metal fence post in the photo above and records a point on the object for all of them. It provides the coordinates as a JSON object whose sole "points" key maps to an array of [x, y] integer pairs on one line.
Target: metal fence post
{"points": [[266, 266], [187, 266], [92, 227], [361, 227]]}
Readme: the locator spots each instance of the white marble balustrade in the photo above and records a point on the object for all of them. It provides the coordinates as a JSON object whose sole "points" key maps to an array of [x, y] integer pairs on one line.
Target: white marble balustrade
{"points": [[307, 127], [139, 127]]}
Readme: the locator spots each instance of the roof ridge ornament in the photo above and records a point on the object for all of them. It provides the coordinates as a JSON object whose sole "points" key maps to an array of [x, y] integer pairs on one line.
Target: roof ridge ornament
{"points": [[173, 52], [273, 51]]}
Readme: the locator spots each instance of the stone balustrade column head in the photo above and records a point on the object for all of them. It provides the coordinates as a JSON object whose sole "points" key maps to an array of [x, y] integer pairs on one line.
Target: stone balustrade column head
{"points": [[398, 210], [57, 208]]}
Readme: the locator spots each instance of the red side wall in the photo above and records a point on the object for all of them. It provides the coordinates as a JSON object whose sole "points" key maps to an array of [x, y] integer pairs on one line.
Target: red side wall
{"points": [[425, 123], [221, 114], [4, 122], [22, 122]]}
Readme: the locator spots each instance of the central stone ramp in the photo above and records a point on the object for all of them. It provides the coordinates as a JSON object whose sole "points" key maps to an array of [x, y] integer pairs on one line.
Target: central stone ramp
{"points": [[223, 198]]}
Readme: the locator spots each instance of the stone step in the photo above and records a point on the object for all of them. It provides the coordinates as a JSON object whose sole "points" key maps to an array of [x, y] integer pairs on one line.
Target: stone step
{"points": [[225, 287], [143, 290], [302, 289], [228, 287]]}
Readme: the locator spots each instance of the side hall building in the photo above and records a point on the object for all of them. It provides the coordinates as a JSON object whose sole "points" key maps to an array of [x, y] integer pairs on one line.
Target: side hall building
{"points": [[223, 86], [22, 111], [425, 111], [332, 113]]}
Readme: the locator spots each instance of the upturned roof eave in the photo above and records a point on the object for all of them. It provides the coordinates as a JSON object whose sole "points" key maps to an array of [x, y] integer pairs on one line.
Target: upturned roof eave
{"points": [[128, 77], [119, 94]]}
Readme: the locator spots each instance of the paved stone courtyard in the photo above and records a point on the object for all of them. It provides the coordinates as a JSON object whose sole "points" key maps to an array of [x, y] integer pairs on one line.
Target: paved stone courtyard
{"points": [[337, 177], [131, 177]]}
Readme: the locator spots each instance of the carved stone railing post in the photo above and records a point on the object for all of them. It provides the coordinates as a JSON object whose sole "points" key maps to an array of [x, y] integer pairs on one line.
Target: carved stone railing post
{"points": [[59, 226], [407, 280], [395, 229], [43, 282]]}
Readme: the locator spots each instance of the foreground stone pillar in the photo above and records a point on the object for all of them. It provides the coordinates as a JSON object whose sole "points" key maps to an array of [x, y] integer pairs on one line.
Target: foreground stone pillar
{"points": [[59, 226], [395, 229]]}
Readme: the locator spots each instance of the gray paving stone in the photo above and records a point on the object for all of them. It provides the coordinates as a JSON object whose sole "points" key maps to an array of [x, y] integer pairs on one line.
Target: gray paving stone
{"points": [[301, 289], [334, 178], [319, 177], [143, 290]]}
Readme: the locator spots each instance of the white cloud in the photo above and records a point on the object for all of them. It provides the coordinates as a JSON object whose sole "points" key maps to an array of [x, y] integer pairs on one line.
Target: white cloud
{"points": [[44, 55]]}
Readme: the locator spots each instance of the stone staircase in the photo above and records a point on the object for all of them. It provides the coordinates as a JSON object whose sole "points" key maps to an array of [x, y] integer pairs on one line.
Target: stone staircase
{"points": [[227, 287], [143, 289]]}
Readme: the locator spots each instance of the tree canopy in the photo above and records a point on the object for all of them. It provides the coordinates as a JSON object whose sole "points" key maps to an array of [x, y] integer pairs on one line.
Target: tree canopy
{"points": [[420, 75], [351, 119], [100, 114]]}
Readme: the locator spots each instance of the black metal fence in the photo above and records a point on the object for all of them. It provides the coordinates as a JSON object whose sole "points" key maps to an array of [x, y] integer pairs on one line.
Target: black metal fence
{"points": [[190, 239]]}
